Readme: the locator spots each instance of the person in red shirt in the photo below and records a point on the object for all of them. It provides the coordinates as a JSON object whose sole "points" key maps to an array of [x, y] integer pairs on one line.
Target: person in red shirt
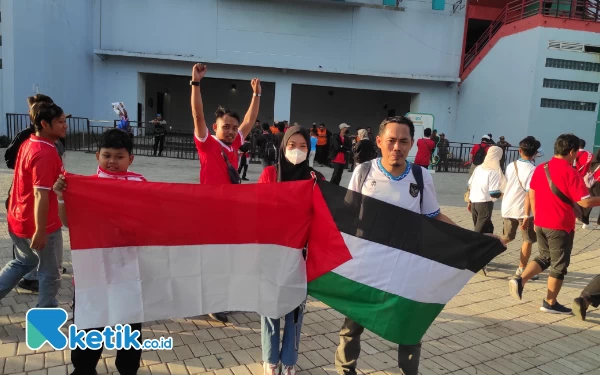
{"points": [[340, 146], [583, 160], [477, 157], [33, 222], [554, 220], [219, 153], [425, 147]]}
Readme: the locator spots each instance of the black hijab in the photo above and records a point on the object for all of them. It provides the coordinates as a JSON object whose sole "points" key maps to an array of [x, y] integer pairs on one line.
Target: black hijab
{"points": [[287, 171]]}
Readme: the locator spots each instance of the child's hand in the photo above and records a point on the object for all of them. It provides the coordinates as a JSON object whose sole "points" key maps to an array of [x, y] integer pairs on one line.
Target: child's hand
{"points": [[59, 186]]}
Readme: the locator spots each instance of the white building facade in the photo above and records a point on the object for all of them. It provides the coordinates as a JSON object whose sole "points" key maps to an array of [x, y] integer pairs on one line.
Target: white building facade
{"points": [[320, 61]]}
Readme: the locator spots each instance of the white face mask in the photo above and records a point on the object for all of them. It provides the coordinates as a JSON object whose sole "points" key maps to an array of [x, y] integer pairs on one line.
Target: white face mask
{"points": [[295, 156]]}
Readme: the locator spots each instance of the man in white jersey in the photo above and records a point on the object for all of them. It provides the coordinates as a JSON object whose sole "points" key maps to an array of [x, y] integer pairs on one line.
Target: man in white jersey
{"points": [[392, 179], [516, 209]]}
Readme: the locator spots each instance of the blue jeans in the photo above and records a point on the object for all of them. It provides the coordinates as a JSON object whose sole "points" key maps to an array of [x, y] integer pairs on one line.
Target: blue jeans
{"points": [[49, 267], [291, 339]]}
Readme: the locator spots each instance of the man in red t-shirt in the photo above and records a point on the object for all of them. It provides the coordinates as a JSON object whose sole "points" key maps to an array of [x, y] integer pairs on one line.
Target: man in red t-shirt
{"points": [[583, 160], [218, 153], [425, 147], [33, 222], [554, 220]]}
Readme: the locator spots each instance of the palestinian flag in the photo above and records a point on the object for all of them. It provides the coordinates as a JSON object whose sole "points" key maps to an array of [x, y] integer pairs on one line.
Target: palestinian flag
{"points": [[404, 267], [151, 251]]}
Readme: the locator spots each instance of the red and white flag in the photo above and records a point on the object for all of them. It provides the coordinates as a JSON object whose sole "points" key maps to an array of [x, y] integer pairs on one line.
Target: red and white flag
{"points": [[152, 251]]}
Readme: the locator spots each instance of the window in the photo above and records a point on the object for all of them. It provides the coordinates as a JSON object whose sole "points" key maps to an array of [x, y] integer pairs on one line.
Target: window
{"points": [[568, 104], [592, 49], [573, 47], [570, 85], [573, 65]]}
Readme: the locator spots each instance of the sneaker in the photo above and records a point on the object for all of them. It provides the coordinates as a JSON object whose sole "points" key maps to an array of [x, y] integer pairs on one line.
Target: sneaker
{"points": [[270, 369], [220, 317], [245, 179], [579, 308], [520, 272], [289, 370], [587, 226], [32, 285], [557, 308], [515, 288]]}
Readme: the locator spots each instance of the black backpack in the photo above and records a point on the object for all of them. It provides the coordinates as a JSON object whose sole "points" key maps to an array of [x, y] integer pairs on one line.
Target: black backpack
{"points": [[479, 156], [10, 156], [270, 149]]}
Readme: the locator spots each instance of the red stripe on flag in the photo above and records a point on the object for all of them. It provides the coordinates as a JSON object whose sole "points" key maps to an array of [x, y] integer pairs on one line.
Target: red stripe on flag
{"points": [[326, 247], [106, 213]]}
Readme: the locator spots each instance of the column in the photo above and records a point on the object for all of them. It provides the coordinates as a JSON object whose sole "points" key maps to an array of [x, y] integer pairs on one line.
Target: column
{"points": [[283, 99]]}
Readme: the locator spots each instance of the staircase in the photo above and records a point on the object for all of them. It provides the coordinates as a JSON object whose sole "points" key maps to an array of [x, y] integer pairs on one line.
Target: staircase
{"points": [[582, 10]]}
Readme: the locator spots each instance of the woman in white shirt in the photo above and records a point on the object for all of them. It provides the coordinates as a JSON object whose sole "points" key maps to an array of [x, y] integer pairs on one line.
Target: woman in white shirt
{"points": [[486, 185], [516, 211]]}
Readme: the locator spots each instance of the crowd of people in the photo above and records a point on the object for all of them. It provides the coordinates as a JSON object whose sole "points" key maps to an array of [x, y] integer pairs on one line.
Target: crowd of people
{"points": [[36, 209]]}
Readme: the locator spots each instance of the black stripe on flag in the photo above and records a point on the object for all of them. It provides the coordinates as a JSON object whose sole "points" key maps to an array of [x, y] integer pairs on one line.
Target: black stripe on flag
{"points": [[380, 222]]}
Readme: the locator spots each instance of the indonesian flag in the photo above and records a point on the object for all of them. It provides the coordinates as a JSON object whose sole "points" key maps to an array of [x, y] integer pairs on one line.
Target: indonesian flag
{"points": [[153, 251], [404, 267]]}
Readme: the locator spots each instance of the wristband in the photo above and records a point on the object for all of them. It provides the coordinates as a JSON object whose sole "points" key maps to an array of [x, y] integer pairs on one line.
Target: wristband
{"points": [[255, 94], [194, 83], [61, 202]]}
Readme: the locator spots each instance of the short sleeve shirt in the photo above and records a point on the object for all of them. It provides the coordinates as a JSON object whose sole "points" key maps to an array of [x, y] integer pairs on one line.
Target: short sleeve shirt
{"points": [[38, 167], [483, 183], [518, 182], [399, 191], [550, 211], [214, 168], [425, 148]]}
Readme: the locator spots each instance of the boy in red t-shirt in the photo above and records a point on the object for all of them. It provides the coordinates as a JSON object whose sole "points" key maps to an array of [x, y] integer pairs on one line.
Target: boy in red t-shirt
{"points": [[33, 222], [218, 153], [115, 155], [554, 220], [583, 160]]}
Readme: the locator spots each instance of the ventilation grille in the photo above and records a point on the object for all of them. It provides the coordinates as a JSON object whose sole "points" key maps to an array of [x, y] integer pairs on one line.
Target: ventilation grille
{"points": [[573, 47], [573, 65], [570, 85], [568, 104]]}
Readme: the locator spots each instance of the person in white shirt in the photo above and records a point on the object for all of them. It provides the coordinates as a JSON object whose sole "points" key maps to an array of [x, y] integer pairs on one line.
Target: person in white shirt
{"points": [[516, 210], [486, 186], [390, 178]]}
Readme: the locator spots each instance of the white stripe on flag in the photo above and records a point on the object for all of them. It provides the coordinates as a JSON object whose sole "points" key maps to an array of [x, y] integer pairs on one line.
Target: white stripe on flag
{"points": [[138, 284], [401, 273]]}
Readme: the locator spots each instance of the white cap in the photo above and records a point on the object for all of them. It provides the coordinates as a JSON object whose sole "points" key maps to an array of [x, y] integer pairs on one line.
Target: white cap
{"points": [[344, 125], [485, 136]]}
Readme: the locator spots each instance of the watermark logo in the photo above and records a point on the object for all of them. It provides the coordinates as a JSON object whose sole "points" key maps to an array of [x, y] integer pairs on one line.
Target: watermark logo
{"points": [[44, 326]]}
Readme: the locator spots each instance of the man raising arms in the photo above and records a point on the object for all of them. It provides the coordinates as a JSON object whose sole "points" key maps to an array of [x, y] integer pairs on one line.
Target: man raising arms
{"points": [[219, 153]]}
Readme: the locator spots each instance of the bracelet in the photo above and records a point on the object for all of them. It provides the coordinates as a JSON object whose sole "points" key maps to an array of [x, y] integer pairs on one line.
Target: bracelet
{"points": [[255, 94], [61, 202]]}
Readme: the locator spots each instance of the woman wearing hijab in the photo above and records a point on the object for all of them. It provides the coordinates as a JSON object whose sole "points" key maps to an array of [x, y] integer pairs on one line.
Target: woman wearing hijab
{"points": [[486, 185], [365, 148], [292, 165]]}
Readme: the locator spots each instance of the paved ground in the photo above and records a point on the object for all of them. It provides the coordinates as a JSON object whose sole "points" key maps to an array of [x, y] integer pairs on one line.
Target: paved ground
{"points": [[481, 331]]}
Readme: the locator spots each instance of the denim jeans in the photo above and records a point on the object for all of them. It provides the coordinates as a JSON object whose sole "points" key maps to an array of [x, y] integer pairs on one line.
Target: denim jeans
{"points": [[291, 339], [49, 267]]}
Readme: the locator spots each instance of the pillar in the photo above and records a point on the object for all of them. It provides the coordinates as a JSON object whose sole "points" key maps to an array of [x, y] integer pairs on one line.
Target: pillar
{"points": [[283, 99]]}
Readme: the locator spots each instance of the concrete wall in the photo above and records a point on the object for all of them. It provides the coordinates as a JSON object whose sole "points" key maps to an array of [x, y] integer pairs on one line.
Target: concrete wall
{"points": [[288, 34], [503, 94], [48, 48], [120, 80]]}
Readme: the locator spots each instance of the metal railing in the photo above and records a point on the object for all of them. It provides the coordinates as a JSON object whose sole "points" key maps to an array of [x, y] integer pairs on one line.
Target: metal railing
{"points": [[459, 155], [584, 10]]}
